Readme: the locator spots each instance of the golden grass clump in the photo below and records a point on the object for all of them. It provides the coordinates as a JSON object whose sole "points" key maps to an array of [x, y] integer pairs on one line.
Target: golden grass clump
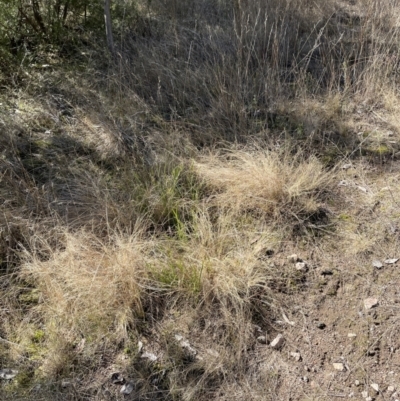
{"points": [[88, 288], [214, 263], [265, 181]]}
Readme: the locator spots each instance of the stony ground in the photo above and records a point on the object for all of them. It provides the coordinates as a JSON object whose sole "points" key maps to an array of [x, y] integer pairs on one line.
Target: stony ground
{"points": [[343, 337]]}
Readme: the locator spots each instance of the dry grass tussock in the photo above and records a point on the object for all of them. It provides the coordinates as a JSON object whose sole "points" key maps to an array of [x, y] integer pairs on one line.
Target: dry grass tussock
{"points": [[267, 182]]}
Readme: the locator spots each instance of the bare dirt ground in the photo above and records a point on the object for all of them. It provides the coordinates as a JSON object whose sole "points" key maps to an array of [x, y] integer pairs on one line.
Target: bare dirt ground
{"points": [[329, 320]]}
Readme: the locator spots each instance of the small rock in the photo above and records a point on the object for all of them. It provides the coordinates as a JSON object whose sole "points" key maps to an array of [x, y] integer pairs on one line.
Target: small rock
{"points": [[149, 356], [8, 374], [390, 389], [262, 339], [127, 388], [377, 264], [306, 368], [364, 394], [321, 325], [370, 303], [301, 266], [339, 366], [346, 166], [375, 386], [352, 335], [305, 379], [357, 383], [293, 258], [296, 356], [277, 342], [117, 378], [369, 399], [391, 261], [351, 395], [186, 345]]}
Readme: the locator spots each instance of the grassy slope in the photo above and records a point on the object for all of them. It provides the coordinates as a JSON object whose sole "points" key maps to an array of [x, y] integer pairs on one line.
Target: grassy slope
{"points": [[160, 195]]}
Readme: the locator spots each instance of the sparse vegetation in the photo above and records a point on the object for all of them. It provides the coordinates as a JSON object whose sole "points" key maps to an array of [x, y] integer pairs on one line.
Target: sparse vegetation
{"points": [[149, 199]]}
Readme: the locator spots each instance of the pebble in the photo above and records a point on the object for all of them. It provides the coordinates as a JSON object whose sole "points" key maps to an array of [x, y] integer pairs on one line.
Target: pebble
{"points": [[277, 342], [301, 266], [364, 394], [293, 258], [391, 261], [375, 386], [149, 356], [8, 374], [127, 388], [185, 344], [370, 303], [390, 389], [296, 356], [338, 366], [262, 339], [378, 264], [306, 379], [352, 335], [357, 383], [321, 325]]}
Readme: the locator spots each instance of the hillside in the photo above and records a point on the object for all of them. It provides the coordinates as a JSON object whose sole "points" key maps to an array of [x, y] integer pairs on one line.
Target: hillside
{"points": [[210, 213]]}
